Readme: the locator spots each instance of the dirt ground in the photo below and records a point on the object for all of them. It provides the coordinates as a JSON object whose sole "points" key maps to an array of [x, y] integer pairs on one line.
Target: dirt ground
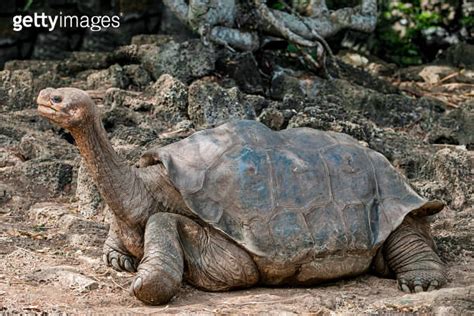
{"points": [[50, 263]]}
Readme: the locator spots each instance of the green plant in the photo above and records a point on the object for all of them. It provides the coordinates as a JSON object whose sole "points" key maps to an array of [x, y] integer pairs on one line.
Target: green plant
{"points": [[401, 24]]}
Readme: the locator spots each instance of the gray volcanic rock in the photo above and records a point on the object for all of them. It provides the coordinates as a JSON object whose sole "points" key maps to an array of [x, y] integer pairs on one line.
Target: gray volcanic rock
{"points": [[47, 178], [171, 99], [115, 98], [392, 110], [16, 90], [456, 127], [137, 75], [272, 117], [114, 76], [184, 61], [89, 200], [210, 104], [449, 175]]}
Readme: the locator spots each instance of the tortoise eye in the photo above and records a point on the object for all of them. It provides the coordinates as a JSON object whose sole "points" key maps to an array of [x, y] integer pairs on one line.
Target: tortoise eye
{"points": [[56, 99]]}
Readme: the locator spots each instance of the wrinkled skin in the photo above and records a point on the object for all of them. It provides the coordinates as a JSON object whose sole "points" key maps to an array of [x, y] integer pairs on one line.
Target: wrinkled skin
{"points": [[156, 235]]}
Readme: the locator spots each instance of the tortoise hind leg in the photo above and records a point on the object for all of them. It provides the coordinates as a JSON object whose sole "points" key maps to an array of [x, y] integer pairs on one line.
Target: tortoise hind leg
{"points": [[410, 253], [213, 262]]}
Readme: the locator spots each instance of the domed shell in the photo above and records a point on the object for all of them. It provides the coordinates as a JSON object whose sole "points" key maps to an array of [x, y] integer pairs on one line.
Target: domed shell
{"points": [[281, 194]]}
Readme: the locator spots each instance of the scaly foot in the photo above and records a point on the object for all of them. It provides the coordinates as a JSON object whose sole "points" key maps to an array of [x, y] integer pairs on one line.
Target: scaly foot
{"points": [[419, 281], [119, 260]]}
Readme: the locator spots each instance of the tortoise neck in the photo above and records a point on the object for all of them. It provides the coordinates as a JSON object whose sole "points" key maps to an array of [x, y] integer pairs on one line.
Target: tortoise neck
{"points": [[115, 179]]}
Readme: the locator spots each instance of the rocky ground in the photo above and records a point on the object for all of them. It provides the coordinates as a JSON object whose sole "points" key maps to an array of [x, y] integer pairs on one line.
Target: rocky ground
{"points": [[158, 90]]}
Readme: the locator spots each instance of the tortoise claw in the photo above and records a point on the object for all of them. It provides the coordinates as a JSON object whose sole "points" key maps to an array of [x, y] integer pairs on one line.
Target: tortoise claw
{"points": [[433, 285], [114, 263], [420, 282], [137, 285], [128, 266], [417, 286], [119, 261], [404, 287]]}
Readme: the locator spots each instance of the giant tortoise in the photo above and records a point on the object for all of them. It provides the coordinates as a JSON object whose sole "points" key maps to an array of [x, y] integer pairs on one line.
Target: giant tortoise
{"points": [[241, 205]]}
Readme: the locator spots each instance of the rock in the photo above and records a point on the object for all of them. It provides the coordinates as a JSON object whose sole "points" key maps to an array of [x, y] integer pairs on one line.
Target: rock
{"points": [[66, 276], [50, 79], [36, 67], [155, 39], [171, 99], [80, 61], [116, 98], [210, 104], [137, 76], [383, 109], [323, 112], [118, 113], [123, 55], [34, 145], [243, 68], [387, 110], [459, 55], [74, 224], [77, 281], [16, 90], [17, 124], [86, 241], [114, 76], [48, 213], [449, 176], [287, 82], [45, 179], [360, 76], [107, 39], [9, 157], [184, 61], [89, 200], [184, 125], [455, 128], [80, 232], [272, 117]]}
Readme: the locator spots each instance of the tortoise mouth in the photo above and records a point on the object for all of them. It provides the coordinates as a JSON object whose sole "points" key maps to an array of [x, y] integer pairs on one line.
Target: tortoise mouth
{"points": [[46, 108]]}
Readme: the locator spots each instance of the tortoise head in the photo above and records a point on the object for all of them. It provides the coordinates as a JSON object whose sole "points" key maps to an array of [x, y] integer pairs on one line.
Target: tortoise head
{"points": [[68, 107]]}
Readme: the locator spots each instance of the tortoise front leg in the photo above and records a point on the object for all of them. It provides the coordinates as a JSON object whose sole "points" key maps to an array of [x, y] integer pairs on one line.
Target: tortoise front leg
{"points": [[160, 272], [212, 262], [409, 253], [115, 254]]}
